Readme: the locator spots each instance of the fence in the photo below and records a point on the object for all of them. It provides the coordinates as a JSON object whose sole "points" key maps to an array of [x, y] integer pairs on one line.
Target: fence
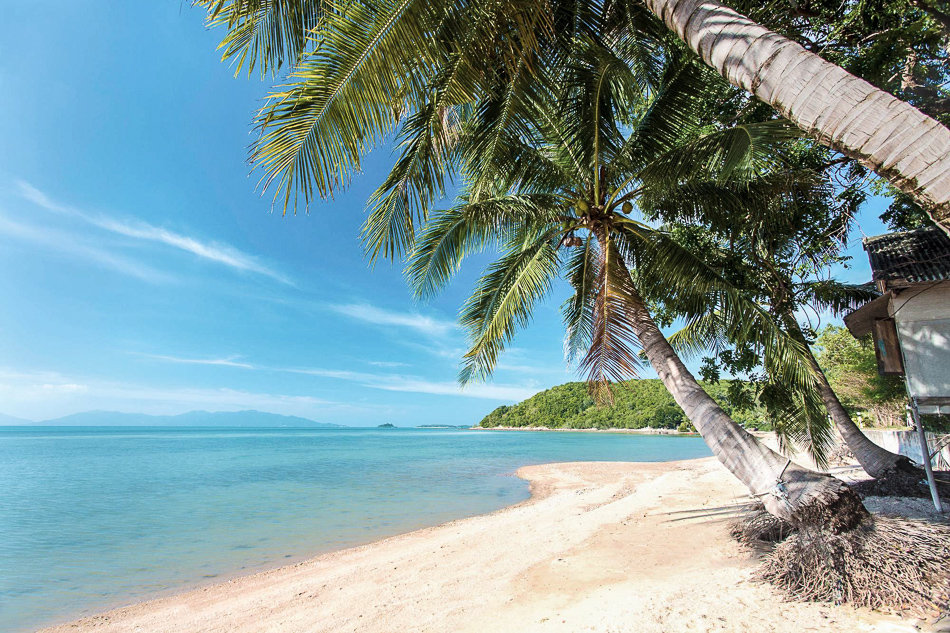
{"points": [[907, 443]]}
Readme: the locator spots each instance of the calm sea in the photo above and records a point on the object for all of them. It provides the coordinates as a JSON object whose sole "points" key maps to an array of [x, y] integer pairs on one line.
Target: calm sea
{"points": [[95, 517]]}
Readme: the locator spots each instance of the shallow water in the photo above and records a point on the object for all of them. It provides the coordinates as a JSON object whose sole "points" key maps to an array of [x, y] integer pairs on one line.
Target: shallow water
{"points": [[95, 517]]}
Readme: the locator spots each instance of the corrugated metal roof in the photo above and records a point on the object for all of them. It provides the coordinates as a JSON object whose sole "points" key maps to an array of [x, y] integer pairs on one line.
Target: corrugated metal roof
{"points": [[911, 256]]}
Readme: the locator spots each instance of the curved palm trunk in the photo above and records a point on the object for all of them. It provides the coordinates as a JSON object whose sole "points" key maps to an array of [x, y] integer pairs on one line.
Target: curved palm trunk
{"points": [[790, 492], [883, 133], [876, 460]]}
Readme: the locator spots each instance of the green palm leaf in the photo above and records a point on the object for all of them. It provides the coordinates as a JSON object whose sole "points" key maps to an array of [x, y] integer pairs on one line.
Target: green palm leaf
{"points": [[504, 298], [451, 236], [264, 33]]}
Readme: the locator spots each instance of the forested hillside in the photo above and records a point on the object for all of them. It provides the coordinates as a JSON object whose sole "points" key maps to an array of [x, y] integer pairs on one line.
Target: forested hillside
{"points": [[637, 404]]}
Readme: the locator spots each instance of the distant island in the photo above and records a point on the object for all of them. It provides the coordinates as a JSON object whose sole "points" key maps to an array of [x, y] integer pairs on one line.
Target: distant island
{"points": [[637, 404], [248, 418], [386, 426]]}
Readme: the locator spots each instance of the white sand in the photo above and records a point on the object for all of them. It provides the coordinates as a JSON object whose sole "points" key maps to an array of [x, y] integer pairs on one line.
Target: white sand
{"points": [[602, 547]]}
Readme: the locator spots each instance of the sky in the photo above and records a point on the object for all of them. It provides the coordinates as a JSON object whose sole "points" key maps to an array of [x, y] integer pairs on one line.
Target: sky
{"points": [[141, 269]]}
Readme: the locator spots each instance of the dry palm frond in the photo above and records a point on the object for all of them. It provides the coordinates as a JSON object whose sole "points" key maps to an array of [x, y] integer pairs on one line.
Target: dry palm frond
{"points": [[757, 527], [885, 563]]}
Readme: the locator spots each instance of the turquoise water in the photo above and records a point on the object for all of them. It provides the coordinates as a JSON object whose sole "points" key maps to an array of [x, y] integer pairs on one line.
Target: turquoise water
{"points": [[95, 517]]}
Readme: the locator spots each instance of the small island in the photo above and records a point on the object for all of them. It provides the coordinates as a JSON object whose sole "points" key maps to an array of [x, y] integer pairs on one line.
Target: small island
{"points": [[386, 426]]}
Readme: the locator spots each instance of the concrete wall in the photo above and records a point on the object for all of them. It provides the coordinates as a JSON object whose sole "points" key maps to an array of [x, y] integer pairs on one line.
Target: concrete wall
{"points": [[922, 316], [907, 443]]}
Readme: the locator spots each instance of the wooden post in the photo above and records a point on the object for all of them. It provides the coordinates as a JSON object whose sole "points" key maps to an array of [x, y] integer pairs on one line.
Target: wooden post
{"points": [[925, 452]]}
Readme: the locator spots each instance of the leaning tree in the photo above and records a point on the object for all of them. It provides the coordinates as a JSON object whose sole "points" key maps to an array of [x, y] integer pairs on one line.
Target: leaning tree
{"points": [[557, 202], [778, 251]]}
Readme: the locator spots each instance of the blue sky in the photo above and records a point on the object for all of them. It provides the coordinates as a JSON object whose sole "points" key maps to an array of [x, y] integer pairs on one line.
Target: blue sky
{"points": [[142, 271]]}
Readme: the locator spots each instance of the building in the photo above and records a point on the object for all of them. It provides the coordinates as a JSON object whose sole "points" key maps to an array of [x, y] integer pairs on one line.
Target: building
{"points": [[910, 321]]}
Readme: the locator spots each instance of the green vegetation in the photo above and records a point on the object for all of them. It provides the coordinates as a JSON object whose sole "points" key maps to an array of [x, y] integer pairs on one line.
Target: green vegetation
{"points": [[637, 404], [386, 426]]}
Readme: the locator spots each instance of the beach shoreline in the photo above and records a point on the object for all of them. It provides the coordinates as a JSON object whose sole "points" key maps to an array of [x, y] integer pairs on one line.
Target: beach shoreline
{"points": [[643, 431], [599, 546]]}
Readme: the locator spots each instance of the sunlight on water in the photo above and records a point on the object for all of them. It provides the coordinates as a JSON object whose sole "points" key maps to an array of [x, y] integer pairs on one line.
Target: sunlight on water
{"points": [[92, 518]]}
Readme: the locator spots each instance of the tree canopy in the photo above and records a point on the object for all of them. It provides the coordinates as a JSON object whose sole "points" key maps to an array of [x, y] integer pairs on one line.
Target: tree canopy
{"points": [[637, 404]]}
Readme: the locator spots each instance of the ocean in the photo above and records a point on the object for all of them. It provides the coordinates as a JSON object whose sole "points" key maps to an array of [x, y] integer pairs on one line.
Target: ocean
{"points": [[97, 517]]}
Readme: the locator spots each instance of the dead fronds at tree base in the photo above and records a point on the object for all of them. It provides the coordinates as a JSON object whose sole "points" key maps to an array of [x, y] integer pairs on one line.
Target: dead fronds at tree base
{"points": [[885, 563], [758, 528]]}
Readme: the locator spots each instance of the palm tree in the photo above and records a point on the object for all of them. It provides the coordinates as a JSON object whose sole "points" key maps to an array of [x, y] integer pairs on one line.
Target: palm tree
{"points": [[590, 147], [779, 256], [371, 63]]}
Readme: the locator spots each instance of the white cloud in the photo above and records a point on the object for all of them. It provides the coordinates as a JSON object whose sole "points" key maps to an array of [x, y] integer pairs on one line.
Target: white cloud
{"points": [[486, 391], [225, 362], [378, 316], [387, 382], [213, 251], [384, 381], [415, 384], [45, 395], [67, 244], [384, 363], [339, 374], [532, 370]]}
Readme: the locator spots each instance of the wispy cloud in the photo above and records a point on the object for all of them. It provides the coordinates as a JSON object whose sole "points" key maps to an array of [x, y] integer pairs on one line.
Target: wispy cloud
{"points": [[410, 320], [66, 244], [42, 395], [384, 381], [486, 391], [225, 362], [385, 363], [217, 252], [415, 384], [532, 370], [339, 374]]}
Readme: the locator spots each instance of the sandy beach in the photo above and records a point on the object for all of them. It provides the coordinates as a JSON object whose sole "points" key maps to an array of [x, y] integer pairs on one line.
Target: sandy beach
{"points": [[602, 547]]}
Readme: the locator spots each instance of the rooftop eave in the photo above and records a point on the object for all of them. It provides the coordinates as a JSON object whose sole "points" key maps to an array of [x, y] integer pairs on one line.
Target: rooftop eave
{"points": [[860, 322]]}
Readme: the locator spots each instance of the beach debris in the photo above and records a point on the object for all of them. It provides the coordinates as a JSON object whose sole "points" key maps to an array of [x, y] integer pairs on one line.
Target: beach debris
{"points": [[886, 563], [756, 527]]}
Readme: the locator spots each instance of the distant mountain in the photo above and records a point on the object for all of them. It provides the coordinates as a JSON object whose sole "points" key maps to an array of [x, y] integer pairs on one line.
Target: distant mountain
{"points": [[192, 418], [386, 426], [9, 420]]}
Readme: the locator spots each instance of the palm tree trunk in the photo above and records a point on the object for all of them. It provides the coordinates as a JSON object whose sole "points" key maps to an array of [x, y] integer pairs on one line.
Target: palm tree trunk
{"points": [[876, 460], [787, 490], [848, 114]]}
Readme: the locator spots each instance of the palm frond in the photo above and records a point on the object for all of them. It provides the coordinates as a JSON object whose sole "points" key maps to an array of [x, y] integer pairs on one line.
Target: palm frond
{"points": [[263, 33], [835, 296], [702, 291], [582, 270], [742, 151], [452, 235], [419, 176], [800, 422], [504, 298], [613, 355], [344, 96]]}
